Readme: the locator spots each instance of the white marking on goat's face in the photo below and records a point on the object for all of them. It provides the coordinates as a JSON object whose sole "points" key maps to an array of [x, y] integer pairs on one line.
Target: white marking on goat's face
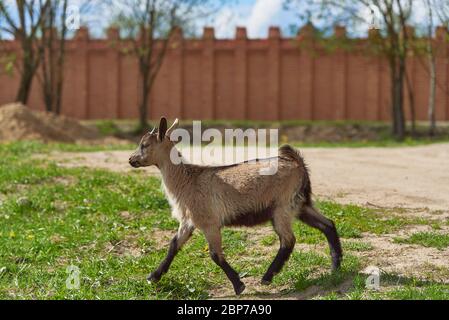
{"points": [[144, 154]]}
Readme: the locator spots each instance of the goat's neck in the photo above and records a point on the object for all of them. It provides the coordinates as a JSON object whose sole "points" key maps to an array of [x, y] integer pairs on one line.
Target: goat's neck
{"points": [[175, 176]]}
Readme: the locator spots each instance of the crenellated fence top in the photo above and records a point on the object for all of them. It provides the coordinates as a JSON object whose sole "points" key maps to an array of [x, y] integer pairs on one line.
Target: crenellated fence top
{"points": [[307, 32]]}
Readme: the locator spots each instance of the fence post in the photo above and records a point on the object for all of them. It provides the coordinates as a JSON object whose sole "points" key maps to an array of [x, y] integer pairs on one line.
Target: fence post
{"points": [[241, 75], [410, 32], [339, 76], [273, 105], [113, 73], [81, 107], [208, 74], [305, 44], [176, 48], [373, 73], [441, 56]]}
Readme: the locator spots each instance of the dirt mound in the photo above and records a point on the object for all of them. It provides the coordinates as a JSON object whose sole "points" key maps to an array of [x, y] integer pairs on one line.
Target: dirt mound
{"points": [[17, 122]]}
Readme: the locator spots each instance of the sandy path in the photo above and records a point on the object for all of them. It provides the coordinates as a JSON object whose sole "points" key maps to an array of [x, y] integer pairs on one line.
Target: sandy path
{"points": [[412, 177], [408, 177]]}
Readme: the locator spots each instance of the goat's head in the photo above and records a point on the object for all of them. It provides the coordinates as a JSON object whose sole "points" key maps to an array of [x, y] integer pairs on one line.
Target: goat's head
{"points": [[153, 146]]}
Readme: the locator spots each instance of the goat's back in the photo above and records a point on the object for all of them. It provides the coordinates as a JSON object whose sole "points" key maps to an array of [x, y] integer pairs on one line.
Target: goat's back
{"points": [[239, 188]]}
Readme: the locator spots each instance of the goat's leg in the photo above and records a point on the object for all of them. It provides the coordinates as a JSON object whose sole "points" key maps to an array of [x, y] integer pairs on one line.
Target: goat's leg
{"points": [[283, 227], [312, 217], [184, 233], [213, 237]]}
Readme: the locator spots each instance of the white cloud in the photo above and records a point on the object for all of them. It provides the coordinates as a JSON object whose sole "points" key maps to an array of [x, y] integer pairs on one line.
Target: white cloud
{"points": [[256, 15], [262, 13], [225, 22]]}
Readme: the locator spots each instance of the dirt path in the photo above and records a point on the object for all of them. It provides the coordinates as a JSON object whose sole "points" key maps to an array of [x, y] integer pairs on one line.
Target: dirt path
{"points": [[416, 177], [409, 177]]}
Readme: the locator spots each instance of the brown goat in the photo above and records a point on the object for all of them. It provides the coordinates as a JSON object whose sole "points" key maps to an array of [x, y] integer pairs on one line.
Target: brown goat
{"points": [[209, 198]]}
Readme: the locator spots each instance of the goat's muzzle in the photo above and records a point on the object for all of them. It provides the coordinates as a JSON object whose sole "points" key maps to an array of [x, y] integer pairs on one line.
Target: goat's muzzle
{"points": [[134, 163]]}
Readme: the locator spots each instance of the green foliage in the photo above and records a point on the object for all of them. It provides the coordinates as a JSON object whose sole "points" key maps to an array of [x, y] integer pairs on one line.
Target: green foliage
{"points": [[7, 63], [357, 246], [427, 239], [107, 127]]}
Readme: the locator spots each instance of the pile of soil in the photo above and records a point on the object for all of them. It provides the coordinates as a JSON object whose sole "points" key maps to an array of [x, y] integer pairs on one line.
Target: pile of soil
{"points": [[18, 122]]}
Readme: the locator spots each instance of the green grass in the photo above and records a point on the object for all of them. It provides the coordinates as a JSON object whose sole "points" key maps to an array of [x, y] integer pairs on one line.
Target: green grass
{"points": [[427, 239], [381, 130], [27, 148], [53, 217], [392, 287], [357, 246], [107, 127], [381, 143], [132, 123], [352, 221]]}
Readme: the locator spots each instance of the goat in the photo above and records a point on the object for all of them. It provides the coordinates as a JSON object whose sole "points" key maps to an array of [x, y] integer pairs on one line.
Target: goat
{"points": [[211, 197]]}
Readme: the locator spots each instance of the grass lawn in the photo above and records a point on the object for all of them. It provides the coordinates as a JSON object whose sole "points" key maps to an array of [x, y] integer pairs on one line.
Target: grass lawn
{"points": [[115, 228], [381, 131]]}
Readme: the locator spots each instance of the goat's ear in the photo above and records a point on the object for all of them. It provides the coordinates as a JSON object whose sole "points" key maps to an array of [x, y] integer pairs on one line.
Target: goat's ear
{"points": [[173, 127], [162, 129]]}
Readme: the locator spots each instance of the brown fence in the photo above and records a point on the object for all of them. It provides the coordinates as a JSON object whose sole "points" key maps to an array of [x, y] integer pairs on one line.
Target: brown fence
{"points": [[264, 79]]}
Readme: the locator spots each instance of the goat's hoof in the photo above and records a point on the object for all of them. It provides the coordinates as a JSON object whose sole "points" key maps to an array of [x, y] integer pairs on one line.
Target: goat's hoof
{"points": [[336, 265], [239, 289], [153, 278], [266, 280]]}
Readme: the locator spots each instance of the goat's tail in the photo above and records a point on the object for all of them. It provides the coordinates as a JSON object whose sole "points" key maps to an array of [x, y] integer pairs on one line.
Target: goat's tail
{"points": [[292, 154]]}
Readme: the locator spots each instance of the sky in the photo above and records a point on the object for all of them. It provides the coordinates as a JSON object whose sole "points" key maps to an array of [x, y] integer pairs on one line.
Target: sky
{"points": [[256, 15]]}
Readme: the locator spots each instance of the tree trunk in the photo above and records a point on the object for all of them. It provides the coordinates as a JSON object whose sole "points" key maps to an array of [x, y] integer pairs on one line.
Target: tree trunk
{"points": [[143, 111], [143, 108], [393, 77], [48, 100], [432, 67], [397, 87], [61, 60], [432, 93], [411, 96], [29, 65], [26, 81]]}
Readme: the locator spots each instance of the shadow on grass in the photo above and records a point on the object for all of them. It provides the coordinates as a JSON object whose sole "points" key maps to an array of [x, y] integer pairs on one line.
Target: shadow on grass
{"points": [[352, 285]]}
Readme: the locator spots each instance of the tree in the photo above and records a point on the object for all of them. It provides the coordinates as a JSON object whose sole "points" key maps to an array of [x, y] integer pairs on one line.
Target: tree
{"points": [[54, 30], [149, 25], [432, 67], [442, 12], [25, 28], [54, 34], [393, 17]]}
